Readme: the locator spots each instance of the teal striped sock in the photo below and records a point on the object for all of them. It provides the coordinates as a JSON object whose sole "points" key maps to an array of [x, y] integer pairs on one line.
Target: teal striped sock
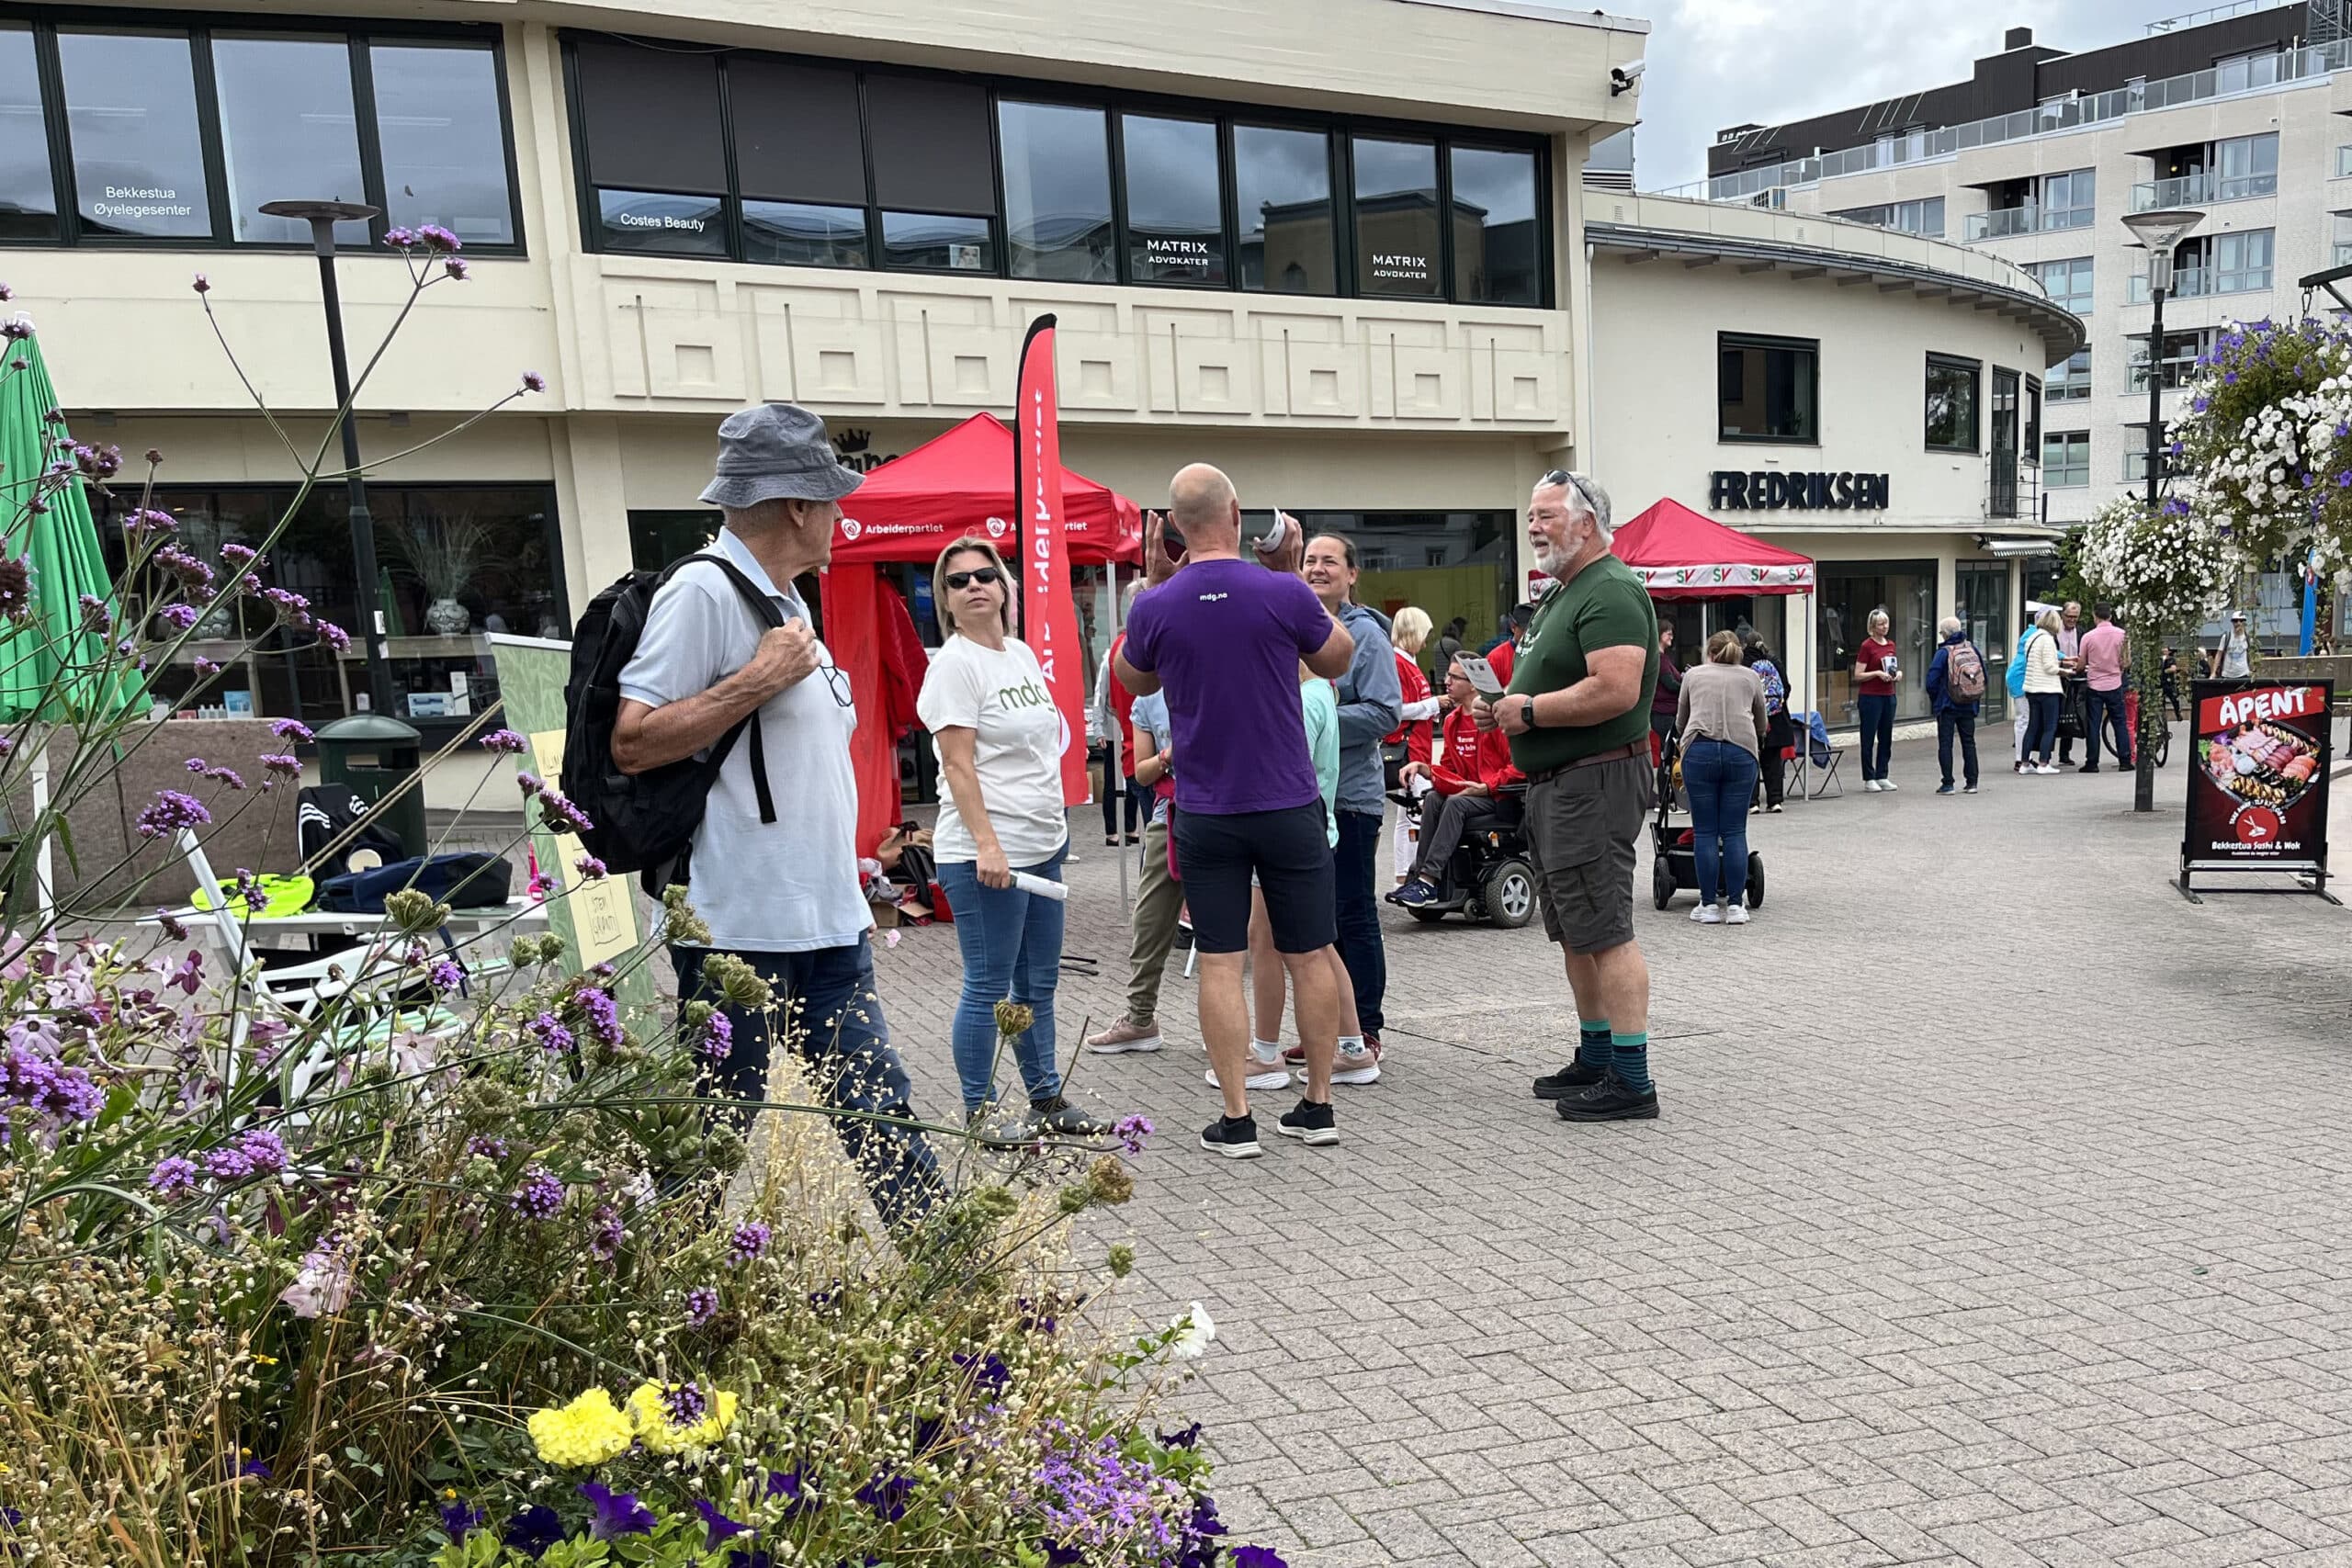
{"points": [[1631, 1053], [1592, 1043]]}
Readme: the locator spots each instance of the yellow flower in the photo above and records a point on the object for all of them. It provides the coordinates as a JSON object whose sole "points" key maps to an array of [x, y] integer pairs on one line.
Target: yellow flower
{"points": [[653, 1428], [261, 1360], [589, 1430]]}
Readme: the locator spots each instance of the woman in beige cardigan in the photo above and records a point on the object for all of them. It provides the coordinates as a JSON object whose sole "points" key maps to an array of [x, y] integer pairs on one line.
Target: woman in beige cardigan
{"points": [[1722, 719]]}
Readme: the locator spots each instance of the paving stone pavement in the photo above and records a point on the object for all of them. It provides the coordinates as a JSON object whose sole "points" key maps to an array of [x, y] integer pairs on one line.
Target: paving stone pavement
{"points": [[1995, 1217]]}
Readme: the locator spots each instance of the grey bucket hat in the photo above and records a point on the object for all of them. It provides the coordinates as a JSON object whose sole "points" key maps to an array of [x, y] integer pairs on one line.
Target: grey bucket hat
{"points": [[777, 452]]}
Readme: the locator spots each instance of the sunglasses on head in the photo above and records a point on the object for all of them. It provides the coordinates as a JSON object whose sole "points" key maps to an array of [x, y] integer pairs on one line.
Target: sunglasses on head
{"points": [[1562, 477], [962, 579]]}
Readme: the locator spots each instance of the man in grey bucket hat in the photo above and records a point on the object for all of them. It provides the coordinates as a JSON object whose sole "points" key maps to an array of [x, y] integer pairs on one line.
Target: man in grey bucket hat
{"points": [[778, 886]]}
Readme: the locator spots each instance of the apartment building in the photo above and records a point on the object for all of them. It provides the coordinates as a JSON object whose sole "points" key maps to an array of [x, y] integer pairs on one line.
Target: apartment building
{"points": [[2240, 113], [1329, 244]]}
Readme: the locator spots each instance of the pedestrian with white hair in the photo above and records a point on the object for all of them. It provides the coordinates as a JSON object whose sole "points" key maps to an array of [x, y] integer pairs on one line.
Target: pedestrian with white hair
{"points": [[1577, 713], [1955, 685]]}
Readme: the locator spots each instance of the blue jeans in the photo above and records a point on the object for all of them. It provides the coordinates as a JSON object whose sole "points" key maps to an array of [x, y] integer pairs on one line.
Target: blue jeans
{"points": [[2108, 714], [1878, 735], [1011, 942], [1354, 864], [2041, 728], [1721, 779], [836, 1028], [1959, 723]]}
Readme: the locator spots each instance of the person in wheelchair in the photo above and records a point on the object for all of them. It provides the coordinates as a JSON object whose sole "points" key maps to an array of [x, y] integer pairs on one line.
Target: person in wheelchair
{"points": [[1472, 770]]}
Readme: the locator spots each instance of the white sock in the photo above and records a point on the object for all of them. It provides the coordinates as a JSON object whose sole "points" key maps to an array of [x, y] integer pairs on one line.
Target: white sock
{"points": [[1352, 1045], [1266, 1050]]}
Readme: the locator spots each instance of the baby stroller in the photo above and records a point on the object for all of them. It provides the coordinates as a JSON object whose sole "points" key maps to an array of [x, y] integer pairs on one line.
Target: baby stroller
{"points": [[1675, 864]]}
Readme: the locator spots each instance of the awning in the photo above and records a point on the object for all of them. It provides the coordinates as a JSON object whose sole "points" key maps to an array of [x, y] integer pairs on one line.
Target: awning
{"points": [[2008, 549]]}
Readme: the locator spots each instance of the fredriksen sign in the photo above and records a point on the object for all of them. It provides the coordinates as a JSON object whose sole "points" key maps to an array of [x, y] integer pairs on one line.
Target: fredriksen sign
{"points": [[1770, 490]]}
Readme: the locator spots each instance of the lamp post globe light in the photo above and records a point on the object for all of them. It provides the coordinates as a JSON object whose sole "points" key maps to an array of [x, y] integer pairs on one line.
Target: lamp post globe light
{"points": [[323, 216], [2159, 231]]}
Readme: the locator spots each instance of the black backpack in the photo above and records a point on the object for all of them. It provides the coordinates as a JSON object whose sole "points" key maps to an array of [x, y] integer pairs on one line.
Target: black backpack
{"points": [[643, 822]]}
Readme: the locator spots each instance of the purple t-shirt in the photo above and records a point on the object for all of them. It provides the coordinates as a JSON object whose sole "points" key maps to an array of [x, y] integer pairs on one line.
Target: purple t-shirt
{"points": [[1225, 637]]}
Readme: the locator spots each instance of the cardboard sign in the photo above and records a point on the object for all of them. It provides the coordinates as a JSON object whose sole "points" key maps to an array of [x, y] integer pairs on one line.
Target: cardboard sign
{"points": [[2258, 777]]}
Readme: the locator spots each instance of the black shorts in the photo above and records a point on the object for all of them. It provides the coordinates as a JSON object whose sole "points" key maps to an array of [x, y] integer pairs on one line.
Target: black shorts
{"points": [[1291, 857]]}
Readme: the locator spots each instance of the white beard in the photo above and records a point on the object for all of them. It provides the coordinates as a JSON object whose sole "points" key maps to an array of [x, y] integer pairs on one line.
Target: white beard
{"points": [[1554, 562]]}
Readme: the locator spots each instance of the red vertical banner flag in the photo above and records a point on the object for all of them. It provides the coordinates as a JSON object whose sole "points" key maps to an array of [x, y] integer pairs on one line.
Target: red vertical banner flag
{"points": [[1048, 599]]}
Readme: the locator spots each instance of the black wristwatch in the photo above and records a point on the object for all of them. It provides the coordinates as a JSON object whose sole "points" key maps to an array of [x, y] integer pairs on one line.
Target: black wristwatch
{"points": [[1528, 714]]}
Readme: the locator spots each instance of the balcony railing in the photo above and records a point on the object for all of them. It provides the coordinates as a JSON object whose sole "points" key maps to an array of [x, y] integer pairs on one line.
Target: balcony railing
{"points": [[2031, 218], [2204, 189], [2295, 65], [2189, 282]]}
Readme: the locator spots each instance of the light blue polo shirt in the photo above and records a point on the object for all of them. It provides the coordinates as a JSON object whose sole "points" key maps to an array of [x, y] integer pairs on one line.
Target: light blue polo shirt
{"points": [[790, 886]]}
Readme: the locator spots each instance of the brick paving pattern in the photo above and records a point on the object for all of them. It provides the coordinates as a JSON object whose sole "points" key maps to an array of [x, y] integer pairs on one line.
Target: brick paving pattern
{"points": [[1995, 1216]]}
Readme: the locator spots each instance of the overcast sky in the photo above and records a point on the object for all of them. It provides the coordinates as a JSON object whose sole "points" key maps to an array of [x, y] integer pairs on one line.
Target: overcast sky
{"points": [[1719, 62]]}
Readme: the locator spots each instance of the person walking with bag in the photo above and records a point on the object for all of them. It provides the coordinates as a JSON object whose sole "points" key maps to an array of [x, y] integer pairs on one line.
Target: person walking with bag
{"points": [[1955, 686], [2044, 684], [998, 734], [1720, 717]]}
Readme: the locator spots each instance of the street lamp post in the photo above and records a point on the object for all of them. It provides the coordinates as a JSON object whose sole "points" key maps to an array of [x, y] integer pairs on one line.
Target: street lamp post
{"points": [[323, 216], [2159, 231]]}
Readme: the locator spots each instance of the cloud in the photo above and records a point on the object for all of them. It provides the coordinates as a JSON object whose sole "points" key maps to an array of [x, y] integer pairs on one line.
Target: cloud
{"points": [[1720, 63]]}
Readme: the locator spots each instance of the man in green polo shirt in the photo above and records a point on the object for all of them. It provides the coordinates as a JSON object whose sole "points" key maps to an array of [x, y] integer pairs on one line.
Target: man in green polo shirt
{"points": [[1577, 714]]}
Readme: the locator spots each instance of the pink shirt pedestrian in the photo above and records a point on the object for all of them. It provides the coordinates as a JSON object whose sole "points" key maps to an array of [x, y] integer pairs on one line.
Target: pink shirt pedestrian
{"points": [[2103, 655]]}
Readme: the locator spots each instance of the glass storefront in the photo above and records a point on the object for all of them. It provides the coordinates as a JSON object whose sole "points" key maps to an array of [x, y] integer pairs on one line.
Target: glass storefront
{"points": [[1984, 598], [1907, 591], [1454, 565]]}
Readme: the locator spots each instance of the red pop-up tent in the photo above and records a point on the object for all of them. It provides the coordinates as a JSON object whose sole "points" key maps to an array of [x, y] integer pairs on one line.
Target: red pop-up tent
{"points": [[1680, 554], [909, 510]]}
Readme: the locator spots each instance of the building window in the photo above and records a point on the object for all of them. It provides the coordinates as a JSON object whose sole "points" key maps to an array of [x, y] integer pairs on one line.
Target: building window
{"points": [[1057, 162], [2071, 382], [176, 136], [2243, 72], [2249, 167], [2031, 445], [131, 120], [2181, 350], [1282, 190], [934, 175], [2241, 262], [28, 191], [654, 154], [1175, 200], [1397, 216], [2069, 200], [2068, 283], [1767, 389], [800, 164], [2065, 459], [1952, 403], [1498, 249], [288, 130], [1924, 217], [2341, 254]]}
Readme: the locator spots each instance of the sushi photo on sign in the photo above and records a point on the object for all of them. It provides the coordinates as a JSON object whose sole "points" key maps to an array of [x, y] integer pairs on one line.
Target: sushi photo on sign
{"points": [[2258, 791]]}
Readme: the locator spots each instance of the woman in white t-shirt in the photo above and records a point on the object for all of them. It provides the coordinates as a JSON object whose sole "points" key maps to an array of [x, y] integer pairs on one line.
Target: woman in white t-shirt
{"points": [[999, 737]]}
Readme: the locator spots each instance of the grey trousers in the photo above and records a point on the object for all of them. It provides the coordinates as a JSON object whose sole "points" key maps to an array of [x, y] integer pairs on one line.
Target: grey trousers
{"points": [[1159, 899]]}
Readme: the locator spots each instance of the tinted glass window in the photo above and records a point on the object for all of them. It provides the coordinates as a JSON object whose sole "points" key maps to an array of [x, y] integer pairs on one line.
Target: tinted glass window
{"points": [[130, 115], [796, 136], [1767, 389], [444, 140], [28, 198], [1397, 227], [930, 145], [288, 132], [1175, 208], [1281, 188], [651, 117], [651, 223], [1951, 405], [1057, 192], [933, 242], [1496, 250], [798, 234]]}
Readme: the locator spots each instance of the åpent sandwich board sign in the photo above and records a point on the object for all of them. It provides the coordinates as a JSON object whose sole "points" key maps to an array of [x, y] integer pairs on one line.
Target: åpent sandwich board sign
{"points": [[2257, 781]]}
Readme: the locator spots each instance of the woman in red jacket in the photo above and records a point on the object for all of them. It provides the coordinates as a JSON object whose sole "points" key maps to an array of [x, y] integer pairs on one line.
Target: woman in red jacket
{"points": [[1471, 768]]}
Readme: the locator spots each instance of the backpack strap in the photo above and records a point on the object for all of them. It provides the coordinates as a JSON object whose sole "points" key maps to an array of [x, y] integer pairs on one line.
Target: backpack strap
{"points": [[764, 609]]}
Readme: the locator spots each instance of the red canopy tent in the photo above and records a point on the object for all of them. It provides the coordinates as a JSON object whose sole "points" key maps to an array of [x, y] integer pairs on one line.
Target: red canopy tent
{"points": [[1680, 554], [909, 510]]}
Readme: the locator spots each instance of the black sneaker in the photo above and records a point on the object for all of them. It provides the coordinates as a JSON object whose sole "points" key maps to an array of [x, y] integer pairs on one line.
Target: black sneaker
{"points": [[2087, 768], [1574, 1079], [1058, 1115], [1310, 1122], [1235, 1137], [1610, 1101]]}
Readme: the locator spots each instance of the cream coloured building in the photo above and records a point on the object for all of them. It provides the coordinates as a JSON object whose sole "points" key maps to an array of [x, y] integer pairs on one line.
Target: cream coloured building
{"points": [[1330, 245]]}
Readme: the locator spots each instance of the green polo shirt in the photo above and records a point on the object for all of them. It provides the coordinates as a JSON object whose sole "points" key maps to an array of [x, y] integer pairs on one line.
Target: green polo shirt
{"points": [[1604, 606]]}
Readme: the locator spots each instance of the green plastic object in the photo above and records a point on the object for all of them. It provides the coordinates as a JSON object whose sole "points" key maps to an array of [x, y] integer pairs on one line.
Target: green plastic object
{"points": [[375, 755]]}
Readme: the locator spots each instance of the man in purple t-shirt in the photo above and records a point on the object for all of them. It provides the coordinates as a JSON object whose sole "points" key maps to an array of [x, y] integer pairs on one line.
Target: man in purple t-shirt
{"points": [[1223, 639]]}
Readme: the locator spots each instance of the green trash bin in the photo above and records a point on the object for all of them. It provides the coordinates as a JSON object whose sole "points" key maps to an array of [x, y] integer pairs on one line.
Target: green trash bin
{"points": [[375, 755]]}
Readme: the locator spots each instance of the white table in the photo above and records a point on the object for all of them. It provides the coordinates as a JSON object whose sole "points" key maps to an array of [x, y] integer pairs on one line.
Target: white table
{"points": [[520, 914]]}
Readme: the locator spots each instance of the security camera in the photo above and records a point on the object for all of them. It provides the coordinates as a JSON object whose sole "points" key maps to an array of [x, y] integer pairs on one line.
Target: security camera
{"points": [[1621, 77]]}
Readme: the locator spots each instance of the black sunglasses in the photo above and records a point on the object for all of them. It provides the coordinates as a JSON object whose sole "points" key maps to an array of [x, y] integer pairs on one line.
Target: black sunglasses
{"points": [[988, 574], [1562, 477]]}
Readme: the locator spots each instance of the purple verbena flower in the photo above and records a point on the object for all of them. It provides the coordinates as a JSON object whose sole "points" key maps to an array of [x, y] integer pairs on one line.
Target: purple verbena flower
{"points": [[529, 783], [292, 730], [604, 1014], [718, 1037], [561, 815], [683, 1404], [175, 1178], [446, 975], [504, 740], [203, 284], [605, 1234], [433, 237], [534, 382], [1131, 1131], [400, 238], [552, 1036], [281, 763], [539, 1196], [169, 812], [590, 868], [16, 588], [229, 776], [333, 635], [264, 1150], [486, 1146], [702, 1305], [457, 267], [749, 1242]]}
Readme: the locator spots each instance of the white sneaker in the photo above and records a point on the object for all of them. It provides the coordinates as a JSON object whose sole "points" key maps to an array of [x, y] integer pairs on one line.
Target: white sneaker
{"points": [[1122, 1036], [1707, 915], [1261, 1077], [1871, 785], [1887, 784], [1737, 914], [2045, 768]]}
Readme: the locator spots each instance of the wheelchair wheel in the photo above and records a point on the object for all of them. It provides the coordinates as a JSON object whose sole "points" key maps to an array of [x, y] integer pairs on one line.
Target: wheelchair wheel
{"points": [[1755, 880], [1661, 882], [1508, 895]]}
